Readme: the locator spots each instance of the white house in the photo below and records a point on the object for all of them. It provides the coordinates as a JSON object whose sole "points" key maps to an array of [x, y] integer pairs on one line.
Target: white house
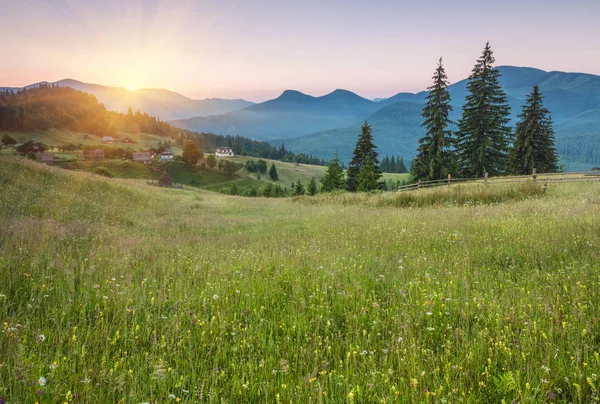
{"points": [[166, 155], [107, 139], [224, 152]]}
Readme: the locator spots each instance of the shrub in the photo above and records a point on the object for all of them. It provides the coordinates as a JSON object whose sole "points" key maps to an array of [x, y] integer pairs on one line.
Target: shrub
{"points": [[211, 161], [102, 171]]}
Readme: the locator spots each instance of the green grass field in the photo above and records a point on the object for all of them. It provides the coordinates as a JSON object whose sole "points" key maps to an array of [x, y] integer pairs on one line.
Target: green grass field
{"points": [[116, 291]]}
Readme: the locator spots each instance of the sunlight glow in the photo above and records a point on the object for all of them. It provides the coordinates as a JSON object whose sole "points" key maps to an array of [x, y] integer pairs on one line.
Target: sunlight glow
{"points": [[131, 87]]}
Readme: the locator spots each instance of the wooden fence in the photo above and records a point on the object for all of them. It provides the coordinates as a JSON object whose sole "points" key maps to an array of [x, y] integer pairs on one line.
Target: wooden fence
{"points": [[545, 178]]}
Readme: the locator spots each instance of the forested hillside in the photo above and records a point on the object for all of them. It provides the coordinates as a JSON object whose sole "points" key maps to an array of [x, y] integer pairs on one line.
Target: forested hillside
{"points": [[54, 107], [49, 106]]}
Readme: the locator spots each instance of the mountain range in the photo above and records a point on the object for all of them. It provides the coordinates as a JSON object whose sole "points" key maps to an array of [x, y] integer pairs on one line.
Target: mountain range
{"points": [[167, 105], [322, 125]]}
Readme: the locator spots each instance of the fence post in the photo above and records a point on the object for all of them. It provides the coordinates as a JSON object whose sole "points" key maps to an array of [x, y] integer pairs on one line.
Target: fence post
{"points": [[419, 184], [449, 178], [486, 178], [534, 174]]}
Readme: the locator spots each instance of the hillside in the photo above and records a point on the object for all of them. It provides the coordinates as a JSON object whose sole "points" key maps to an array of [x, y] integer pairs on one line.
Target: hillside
{"points": [[165, 104], [116, 291], [214, 179], [308, 127]]}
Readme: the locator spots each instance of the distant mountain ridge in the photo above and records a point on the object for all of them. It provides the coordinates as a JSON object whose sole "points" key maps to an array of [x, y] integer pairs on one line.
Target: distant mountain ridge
{"points": [[321, 125], [290, 115], [167, 105]]}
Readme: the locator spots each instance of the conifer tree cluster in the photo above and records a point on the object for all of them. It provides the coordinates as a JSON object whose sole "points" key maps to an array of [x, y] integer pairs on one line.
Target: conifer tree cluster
{"points": [[393, 165], [483, 142]]}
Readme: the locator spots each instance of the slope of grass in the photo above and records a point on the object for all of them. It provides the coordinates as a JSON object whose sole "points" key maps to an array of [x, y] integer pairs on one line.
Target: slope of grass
{"points": [[116, 291], [59, 137]]}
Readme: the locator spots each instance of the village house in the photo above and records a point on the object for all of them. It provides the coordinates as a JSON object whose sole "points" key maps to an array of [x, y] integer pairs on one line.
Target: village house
{"points": [[107, 139], [224, 152], [93, 155], [167, 155], [31, 147]]}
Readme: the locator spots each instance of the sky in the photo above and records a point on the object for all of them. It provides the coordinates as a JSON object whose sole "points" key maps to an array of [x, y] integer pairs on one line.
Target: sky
{"points": [[255, 49]]}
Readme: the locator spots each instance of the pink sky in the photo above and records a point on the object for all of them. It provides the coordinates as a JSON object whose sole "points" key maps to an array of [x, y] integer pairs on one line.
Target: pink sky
{"points": [[257, 49]]}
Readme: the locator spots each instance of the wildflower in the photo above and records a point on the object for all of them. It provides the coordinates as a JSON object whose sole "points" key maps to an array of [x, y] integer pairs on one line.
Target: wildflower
{"points": [[399, 339], [171, 395], [42, 381], [215, 297], [41, 337], [429, 313]]}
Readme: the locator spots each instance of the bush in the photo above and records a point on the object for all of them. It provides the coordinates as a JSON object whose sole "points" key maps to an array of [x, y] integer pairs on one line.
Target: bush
{"points": [[229, 167], [102, 171], [211, 161]]}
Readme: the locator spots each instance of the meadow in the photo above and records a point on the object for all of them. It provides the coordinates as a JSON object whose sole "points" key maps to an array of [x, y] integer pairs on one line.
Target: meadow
{"points": [[116, 291]]}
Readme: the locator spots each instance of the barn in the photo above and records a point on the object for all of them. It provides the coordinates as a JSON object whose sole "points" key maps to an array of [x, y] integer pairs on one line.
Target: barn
{"points": [[144, 157]]}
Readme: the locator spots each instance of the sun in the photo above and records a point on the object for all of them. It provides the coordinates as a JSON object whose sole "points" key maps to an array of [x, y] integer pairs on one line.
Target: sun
{"points": [[131, 87]]}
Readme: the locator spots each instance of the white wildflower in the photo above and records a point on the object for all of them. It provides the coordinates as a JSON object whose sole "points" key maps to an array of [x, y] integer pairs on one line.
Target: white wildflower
{"points": [[42, 381]]}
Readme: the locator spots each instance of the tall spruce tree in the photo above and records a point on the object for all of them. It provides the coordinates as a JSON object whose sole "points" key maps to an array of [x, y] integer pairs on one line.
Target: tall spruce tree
{"points": [[364, 149], [484, 135], [534, 138], [334, 176], [434, 158]]}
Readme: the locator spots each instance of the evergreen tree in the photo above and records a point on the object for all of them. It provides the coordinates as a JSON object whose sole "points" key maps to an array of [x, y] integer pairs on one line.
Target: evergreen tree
{"points": [[484, 135], [312, 187], [434, 158], [273, 173], [367, 177], [534, 139], [334, 176], [191, 153], [364, 149], [299, 189]]}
